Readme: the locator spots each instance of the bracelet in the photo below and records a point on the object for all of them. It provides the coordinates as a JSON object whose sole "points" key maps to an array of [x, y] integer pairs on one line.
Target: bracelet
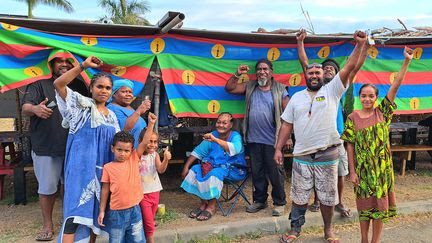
{"points": [[82, 66], [237, 76]]}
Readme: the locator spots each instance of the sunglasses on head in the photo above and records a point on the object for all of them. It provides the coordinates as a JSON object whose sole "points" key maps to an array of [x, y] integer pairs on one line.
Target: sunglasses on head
{"points": [[314, 65]]}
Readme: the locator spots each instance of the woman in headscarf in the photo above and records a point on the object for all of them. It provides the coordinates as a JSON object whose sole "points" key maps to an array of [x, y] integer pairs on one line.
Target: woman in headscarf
{"points": [[130, 120]]}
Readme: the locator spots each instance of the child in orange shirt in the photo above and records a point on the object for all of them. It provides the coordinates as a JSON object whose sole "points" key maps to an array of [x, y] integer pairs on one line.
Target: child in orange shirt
{"points": [[121, 177]]}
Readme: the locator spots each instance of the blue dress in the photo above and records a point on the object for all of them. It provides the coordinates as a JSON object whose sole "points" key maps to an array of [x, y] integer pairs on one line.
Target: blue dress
{"points": [[87, 150], [123, 114], [210, 186]]}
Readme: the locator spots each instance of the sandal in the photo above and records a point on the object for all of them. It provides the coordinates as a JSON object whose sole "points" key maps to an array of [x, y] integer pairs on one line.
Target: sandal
{"points": [[315, 207], [205, 215], [344, 212], [332, 240], [195, 213], [289, 237], [45, 236]]}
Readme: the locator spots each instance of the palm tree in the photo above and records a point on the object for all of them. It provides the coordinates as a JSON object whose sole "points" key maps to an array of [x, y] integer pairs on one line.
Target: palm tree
{"points": [[61, 4], [126, 12]]}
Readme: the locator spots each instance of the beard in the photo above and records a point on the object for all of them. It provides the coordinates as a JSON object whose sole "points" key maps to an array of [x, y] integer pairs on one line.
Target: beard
{"points": [[327, 80], [262, 82], [314, 87]]}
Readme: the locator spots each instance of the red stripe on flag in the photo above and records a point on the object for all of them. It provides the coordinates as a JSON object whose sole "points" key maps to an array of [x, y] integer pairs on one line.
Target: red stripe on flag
{"points": [[215, 41], [18, 50], [384, 77], [22, 83], [135, 73], [174, 76]]}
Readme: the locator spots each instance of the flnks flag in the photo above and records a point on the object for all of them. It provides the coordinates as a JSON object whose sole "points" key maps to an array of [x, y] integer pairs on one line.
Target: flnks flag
{"points": [[195, 70]]}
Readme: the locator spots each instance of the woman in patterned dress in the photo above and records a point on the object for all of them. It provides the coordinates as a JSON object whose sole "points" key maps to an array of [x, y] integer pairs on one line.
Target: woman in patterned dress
{"points": [[222, 156], [369, 156], [91, 129]]}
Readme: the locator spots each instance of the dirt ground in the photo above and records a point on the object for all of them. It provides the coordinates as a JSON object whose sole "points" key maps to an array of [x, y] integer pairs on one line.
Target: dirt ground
{"points": [[20, 223], [413, 229]]}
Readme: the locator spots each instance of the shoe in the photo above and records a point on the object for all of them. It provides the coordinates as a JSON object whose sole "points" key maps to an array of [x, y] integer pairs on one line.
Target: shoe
{"points": [[255, 207], [278, 211]]}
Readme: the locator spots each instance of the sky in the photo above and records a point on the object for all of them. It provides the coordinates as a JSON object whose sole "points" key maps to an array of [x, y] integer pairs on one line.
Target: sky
{"points": [[327, 16]]}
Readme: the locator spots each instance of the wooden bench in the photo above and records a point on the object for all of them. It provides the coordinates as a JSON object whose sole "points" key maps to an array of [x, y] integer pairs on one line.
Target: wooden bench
{"points": [[405, 152]]}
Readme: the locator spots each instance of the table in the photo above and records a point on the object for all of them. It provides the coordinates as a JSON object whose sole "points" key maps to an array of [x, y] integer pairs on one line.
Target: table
{"points": [[410, 133], [406, 151]]}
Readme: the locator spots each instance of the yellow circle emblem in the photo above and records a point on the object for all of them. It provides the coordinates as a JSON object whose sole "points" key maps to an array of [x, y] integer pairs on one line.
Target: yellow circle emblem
{"points": [[173, 110], [243, 78], [188, 77], [218, 51], [33, 71], [373, 52], [295, 79], [9, 27], [415, 103], [89, 41], [392, 77], [273, 54], [213, 106], [418, 53], [324, 52], [157, 45], [118, 71]]}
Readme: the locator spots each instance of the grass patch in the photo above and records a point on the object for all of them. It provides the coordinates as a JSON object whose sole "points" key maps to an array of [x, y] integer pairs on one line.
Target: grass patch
{"points": [[251, 235], [425, 173], [214, 238], [9, 200], [169, 216]]}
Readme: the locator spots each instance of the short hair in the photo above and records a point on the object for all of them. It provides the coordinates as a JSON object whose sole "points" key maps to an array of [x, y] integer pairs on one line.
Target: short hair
{"points": [[369, 85], [226, 113], [98, 76], [124, 137], [264, 61], [331, 62], [141, 135]]}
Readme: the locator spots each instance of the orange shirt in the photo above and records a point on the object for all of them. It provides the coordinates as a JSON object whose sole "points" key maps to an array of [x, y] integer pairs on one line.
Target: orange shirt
{"points": [[125, 182]]}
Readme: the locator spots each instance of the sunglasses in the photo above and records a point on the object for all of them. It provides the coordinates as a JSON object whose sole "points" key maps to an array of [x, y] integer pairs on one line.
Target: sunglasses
{"points": [[314, 65]]}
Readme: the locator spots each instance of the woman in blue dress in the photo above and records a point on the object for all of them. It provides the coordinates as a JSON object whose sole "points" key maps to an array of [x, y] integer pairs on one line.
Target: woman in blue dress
{"points": [[91, 129], [219, 151], [129, 119]]}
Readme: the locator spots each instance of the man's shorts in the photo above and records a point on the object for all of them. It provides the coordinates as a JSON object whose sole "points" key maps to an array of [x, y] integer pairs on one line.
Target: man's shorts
{"points": [[48, 171], [319, 171], [343, 161]]}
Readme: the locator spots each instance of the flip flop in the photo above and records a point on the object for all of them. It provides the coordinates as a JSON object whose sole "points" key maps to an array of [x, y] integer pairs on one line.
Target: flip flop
{"points": [[45, 236], [289, 237], [195, 213], [332, 240], [205, 215], [346, 213], [315, 207]]}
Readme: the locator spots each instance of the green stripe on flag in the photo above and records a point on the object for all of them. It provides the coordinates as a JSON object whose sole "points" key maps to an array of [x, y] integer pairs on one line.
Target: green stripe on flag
{"points": [[202, 106]]}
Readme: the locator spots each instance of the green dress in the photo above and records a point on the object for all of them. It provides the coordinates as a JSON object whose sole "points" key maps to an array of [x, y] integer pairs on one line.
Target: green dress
{"points": [[375, 195]]}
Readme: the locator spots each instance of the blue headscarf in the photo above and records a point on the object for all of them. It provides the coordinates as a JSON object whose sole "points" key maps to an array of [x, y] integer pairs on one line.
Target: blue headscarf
{"points": [[118, 84]]}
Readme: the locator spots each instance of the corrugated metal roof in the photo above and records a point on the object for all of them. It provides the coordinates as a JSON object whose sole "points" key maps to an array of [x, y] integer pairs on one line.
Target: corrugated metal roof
{"points": [[90, 28]]}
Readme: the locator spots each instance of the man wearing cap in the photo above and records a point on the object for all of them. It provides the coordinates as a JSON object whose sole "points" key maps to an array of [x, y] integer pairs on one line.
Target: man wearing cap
{"points": [[48, 138], [311, 113], [331, 68], [265, 100]]}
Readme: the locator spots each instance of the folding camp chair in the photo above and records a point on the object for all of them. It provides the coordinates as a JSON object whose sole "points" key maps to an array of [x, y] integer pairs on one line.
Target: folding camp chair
{"points": [[232, 191]]}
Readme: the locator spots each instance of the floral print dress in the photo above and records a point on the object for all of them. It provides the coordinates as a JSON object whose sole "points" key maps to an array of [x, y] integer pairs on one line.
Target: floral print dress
{"points": [[375, 195]]}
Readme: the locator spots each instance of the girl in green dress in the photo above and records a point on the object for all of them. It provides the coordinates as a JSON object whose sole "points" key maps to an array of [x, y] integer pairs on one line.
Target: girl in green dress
{"points": [[369, 156]]}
